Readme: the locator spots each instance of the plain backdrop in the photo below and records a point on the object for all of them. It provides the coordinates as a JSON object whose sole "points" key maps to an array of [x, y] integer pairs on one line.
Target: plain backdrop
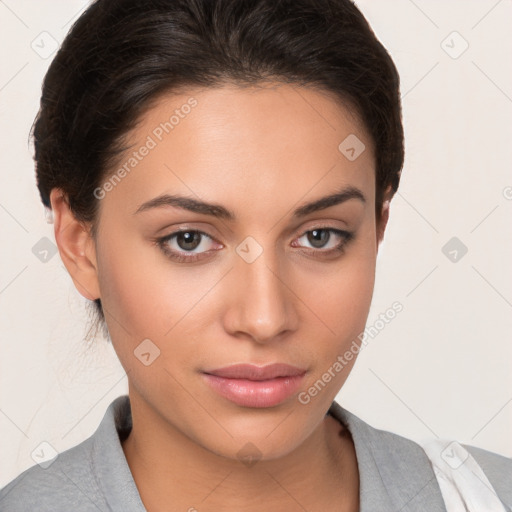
{"points": [[441, 368]]}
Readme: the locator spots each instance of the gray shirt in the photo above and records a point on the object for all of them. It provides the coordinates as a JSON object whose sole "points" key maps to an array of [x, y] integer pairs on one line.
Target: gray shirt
{"points": [[395, 473]]}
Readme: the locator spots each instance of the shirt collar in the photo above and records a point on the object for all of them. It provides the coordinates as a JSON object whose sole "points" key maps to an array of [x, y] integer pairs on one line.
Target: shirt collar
{"points": [[112, 472], [394, 472]]}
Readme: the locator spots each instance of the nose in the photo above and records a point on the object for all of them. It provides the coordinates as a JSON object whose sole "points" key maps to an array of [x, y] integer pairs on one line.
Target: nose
{"points": [[262, 303]]}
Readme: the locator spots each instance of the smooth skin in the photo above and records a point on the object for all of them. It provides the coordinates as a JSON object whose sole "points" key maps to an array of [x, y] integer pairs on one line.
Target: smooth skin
{"points": [[260, 152]]}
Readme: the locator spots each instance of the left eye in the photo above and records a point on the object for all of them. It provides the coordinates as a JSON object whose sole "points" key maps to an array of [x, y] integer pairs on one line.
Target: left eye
{"points": [[320, 238]]}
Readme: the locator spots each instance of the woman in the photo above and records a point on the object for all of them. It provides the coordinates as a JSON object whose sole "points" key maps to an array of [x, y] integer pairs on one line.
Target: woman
{"points": [[220, 175]]}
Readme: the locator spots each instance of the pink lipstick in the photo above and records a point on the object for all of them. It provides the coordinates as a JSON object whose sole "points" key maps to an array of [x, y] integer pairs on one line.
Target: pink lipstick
{"points": [[255, 386]]}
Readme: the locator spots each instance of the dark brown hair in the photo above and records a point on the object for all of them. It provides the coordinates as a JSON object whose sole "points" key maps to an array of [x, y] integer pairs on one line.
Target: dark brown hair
{"points": [[120, 55]]}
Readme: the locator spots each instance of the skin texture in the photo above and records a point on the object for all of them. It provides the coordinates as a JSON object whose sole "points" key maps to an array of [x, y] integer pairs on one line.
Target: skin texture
{"points": [[261, 152]]}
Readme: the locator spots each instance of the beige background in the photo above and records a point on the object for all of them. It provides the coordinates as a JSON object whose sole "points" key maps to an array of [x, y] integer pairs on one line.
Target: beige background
{"points": [[441, 368]]}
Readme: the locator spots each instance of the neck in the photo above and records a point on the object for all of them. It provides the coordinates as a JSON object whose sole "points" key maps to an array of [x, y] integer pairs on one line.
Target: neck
{"points": [[169, 468]]}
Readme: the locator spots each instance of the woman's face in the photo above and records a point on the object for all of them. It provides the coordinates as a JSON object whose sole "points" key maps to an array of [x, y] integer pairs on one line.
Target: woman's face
{"points": [[256, 279]]}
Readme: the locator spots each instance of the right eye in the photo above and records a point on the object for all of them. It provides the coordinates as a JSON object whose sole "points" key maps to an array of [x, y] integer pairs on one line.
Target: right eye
{"points": [[188, 241]]}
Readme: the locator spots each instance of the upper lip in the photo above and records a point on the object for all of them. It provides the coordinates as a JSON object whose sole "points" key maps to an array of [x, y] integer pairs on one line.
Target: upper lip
{"points": [[253, 372]]}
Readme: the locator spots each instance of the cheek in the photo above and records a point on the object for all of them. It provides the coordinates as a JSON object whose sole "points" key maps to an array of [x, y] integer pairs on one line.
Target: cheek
{"points": [[136, 297], [146, 296], [341, 300], [342, 294]]}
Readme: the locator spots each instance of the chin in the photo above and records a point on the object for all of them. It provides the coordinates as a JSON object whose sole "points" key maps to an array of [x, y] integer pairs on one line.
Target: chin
{"points": [[262, 434]]}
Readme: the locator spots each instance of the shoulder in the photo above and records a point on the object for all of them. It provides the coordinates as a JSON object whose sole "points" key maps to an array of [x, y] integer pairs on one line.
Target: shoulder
{"points": [[402, 469], [394, 472], [65, 483], [94, 475]]}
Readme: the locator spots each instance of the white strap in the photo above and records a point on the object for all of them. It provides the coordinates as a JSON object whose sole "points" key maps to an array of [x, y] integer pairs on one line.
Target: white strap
{"points": [[463, 484]]}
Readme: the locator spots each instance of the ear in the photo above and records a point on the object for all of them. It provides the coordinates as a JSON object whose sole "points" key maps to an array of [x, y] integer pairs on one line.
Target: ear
{"points": [[76, 246], [381, 227]]}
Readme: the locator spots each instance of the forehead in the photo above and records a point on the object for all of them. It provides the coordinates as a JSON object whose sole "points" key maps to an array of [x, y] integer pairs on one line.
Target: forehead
{"points": [[239, 144]]}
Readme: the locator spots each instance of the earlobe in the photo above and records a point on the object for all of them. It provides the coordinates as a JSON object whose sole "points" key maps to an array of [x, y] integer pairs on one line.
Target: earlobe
{"points": [[383, 222], [384, 217], [76, 246]]}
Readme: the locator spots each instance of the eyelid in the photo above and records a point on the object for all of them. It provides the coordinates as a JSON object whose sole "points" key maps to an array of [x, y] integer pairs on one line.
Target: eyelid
{"points": [[323, 225]]}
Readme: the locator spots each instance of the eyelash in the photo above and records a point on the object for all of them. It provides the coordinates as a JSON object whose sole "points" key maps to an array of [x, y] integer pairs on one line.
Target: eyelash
{"points": [[163, 243]]}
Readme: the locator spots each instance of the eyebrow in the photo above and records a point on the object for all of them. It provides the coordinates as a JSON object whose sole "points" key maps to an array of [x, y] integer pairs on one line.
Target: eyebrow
{"points": [[219, 211]]}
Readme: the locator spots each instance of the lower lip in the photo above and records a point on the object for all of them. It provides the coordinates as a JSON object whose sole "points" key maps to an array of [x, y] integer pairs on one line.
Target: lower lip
{"points": [[252, 393]]}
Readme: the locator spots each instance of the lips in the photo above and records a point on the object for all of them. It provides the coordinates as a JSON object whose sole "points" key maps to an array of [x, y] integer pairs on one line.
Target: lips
{"points": [[255, 386]]}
